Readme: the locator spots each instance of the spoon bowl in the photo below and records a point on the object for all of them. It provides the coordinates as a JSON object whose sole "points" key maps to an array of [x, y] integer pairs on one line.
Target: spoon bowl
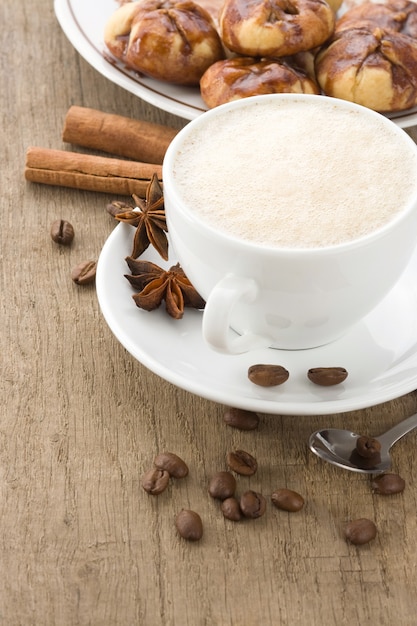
{"points": [[338, 447]]}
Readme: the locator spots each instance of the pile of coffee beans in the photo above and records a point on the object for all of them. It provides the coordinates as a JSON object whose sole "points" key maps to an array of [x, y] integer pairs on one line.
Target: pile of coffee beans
{"points": [[358, 531], [250, 504]]}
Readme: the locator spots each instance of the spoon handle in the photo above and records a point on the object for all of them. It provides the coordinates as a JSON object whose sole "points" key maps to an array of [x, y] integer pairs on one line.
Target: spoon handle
{"points": [[399, 430]]}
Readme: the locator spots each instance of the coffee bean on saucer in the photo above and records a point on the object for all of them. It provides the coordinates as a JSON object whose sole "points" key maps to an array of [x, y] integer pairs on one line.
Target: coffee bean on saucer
{"points": [[387, 484], [360, 531], [287, 500], [242, 462], [327, 376], [189, 525], [241, 419], [172, 463], [252, 504], [267, 375]]}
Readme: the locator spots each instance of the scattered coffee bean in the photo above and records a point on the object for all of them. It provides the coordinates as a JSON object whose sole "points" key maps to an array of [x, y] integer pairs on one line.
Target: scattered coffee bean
{"points": [[62, 232], [242, 462], [173, 464], [189, 525], [252, 504], [116, 207], [267, 375], [84, 273], [360, 531], [231, 509], [222, 485], [368, 447], [387, 484], [241, 419], [327, 376], [287, 500], [155, 481]]}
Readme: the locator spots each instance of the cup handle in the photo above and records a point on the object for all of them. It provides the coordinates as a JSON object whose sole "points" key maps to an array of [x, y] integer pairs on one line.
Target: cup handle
{"points": [[217, 314]]}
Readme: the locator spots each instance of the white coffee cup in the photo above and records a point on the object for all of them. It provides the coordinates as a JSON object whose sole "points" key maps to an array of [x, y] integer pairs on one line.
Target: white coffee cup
{"points": [[335, 184]]}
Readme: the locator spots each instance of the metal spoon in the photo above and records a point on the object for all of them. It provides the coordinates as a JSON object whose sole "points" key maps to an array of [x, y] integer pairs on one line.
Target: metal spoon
{"points": [[338, 447]]}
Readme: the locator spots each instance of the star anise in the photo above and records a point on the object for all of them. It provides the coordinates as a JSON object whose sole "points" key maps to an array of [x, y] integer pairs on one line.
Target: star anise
{"points": [[156, 284], [148, 216]]}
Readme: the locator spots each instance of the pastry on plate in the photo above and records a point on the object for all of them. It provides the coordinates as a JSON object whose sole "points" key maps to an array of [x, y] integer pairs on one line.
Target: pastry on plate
{"points": [[370, 65], [275, 28], [241, 77], [173, 41]]}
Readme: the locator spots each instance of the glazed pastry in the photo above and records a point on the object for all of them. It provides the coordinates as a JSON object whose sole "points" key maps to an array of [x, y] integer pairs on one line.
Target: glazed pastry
{"points": [[275, 28], [241, 77], [370, 66], [174, 41], [399, 16]]}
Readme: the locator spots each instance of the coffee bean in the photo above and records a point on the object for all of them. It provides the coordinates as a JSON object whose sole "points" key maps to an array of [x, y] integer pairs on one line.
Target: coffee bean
{"points": [[84, 273], [360, 531], [242, 462], [189, 525], [116, 207], [327, 376], [387, 484], [252, 504], [173, 464], [231, 509], [62, 232], [267, 375], [222, 485], [287, 500], [155, 481], [368, 447], [241, 419], [362, 462]]}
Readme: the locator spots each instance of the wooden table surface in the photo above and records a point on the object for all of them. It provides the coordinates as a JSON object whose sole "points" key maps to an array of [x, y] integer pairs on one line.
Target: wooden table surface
{"points": [[81, 542]]}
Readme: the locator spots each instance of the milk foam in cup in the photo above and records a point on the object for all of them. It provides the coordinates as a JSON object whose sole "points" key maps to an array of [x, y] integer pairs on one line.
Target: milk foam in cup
{"points": [[292, 215]]}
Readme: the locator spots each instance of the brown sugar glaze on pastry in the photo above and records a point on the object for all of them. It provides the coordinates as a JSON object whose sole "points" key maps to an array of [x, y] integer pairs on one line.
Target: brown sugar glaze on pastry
{"points": [[274, 28], [399, 16], [241, 77], [167, 40], [370, 66]]}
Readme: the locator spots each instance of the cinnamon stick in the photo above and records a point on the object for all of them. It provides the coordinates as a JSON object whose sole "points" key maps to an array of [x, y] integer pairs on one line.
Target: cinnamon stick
{"points": [[135, 139], [92, 173]]}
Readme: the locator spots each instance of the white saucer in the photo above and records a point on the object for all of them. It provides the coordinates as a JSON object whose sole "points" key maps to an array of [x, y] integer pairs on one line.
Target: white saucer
{"points": [[380, 353]]}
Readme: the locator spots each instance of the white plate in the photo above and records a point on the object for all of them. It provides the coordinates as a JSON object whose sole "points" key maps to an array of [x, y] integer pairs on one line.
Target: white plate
{"points": [[380, 353], [83, 23]]}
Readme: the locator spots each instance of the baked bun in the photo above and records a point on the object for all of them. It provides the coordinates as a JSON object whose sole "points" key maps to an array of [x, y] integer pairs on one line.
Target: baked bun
{"points": [[370, 66], [399, 16], [275, 28], [241, 77], [174, 41]]}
